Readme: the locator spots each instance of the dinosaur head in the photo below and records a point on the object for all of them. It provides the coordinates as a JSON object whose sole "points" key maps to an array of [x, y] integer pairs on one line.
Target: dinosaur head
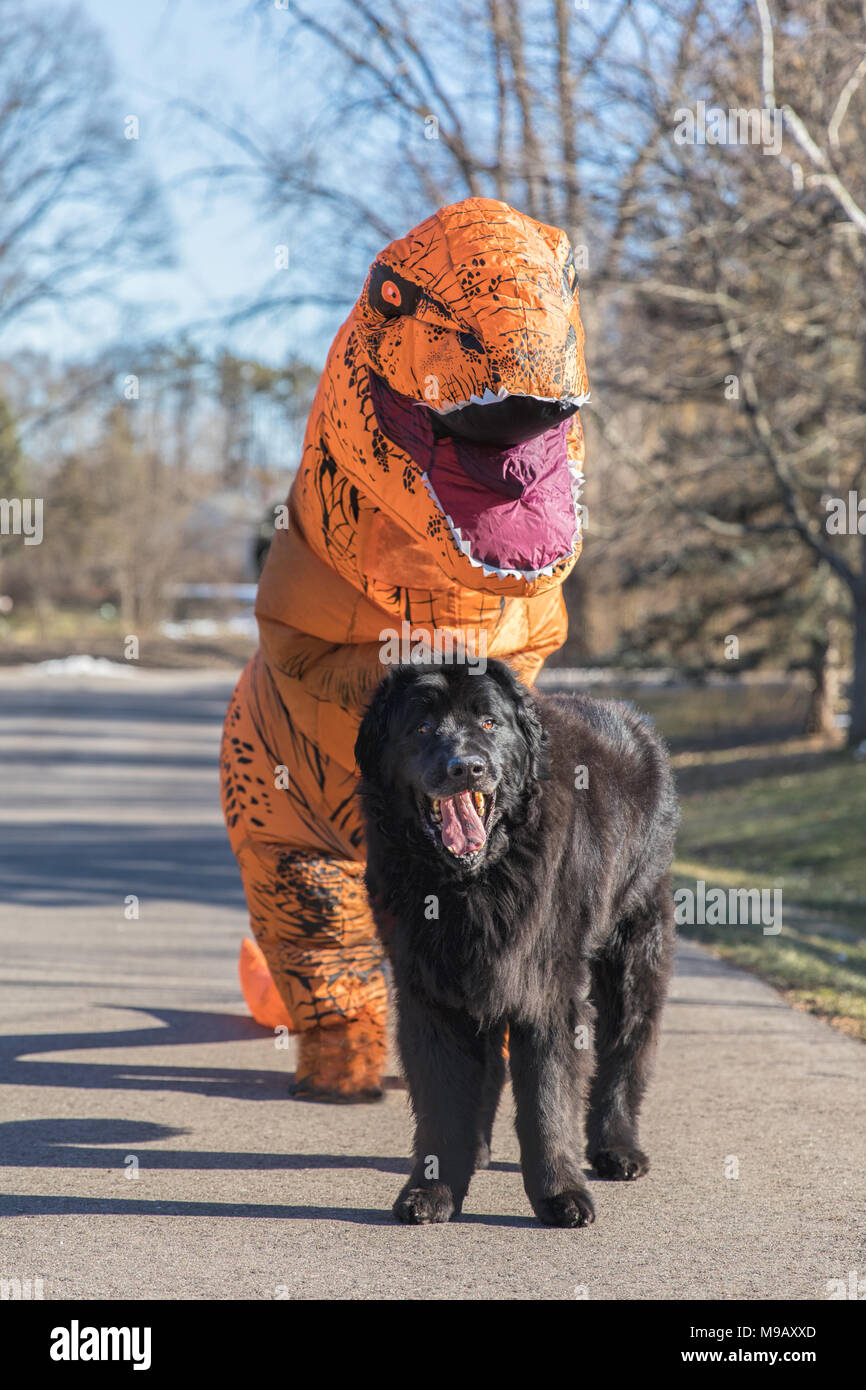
{"points": [[471, 333]]}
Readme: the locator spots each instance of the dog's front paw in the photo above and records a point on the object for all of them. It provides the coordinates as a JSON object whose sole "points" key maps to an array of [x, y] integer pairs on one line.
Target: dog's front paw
{"points": [[620, 1165], [417, 1205], [571, 1208]]}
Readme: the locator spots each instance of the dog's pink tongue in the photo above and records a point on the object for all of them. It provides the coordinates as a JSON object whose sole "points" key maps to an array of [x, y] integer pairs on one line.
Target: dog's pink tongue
{"points": [[462, 827]]}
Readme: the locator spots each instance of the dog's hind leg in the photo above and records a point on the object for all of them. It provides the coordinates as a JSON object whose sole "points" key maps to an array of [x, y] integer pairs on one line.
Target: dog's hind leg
{"points": [[446, 1061], [629, 983]]}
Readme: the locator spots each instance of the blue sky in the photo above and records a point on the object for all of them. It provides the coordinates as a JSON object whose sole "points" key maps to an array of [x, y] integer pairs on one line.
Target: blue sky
{"points": [[244, 59], [220, 56]]}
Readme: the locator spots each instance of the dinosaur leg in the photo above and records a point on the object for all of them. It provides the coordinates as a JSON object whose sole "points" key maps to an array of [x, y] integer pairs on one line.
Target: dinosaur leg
{"points": [[306, 899], [312, 923]]}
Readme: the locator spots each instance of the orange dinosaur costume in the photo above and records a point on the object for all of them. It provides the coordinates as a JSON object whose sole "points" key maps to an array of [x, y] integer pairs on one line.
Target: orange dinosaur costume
{"points": [[437, 498]]}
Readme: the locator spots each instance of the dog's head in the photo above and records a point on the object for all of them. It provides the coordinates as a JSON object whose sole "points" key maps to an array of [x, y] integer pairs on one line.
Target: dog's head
{"points": [[450, 758]]}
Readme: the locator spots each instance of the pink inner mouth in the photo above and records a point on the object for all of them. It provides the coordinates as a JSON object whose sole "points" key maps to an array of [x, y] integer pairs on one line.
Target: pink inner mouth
{"points": [[524, 531], [514, 505], [462, 828]]}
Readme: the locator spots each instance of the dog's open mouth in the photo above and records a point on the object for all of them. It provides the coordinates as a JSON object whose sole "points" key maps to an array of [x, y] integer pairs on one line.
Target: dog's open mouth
{"points": [[462, 821]]}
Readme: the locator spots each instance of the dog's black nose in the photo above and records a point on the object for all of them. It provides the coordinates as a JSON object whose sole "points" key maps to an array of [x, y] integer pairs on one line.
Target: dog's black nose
{"points": [[466, 767]]}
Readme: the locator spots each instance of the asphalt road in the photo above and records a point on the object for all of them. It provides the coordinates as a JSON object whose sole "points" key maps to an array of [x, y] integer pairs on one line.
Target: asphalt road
{"points": [[149, 1146]]}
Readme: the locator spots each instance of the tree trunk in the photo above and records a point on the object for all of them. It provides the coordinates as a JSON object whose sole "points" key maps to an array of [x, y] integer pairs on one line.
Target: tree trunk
{"points": [[824, 670], [567, 119], [126, 595], [857, 692], [575, 650]]}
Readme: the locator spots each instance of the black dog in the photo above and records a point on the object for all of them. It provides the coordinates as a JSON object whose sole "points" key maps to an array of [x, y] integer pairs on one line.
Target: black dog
{"points": [[518, 855]]}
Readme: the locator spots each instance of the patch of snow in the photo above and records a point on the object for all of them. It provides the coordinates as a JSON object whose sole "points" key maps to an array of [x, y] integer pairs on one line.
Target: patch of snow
{"points": [[84, 665], [243, 624], [191, 627]]}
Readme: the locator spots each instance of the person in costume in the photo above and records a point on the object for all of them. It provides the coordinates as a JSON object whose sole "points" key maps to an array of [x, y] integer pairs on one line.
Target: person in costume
{"points": [[437, 494]]}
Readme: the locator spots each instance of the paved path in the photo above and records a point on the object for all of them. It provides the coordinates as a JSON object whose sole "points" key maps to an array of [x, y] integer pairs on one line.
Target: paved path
{"points": [[124, 1045]]}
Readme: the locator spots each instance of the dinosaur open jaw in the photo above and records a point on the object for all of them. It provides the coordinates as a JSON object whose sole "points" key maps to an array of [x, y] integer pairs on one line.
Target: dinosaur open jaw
{"points": [[523, 536], [460, 823], [512, 509], [503, 421]]}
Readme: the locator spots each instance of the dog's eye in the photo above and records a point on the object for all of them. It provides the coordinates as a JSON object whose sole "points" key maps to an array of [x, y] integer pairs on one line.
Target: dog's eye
{"points": [[426, 727], [488, 724]]}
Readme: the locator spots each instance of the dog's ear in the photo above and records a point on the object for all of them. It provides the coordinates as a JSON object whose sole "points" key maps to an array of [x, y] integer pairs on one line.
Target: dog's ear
{"points": [[373, 733], [526, 714], [534, 735]]}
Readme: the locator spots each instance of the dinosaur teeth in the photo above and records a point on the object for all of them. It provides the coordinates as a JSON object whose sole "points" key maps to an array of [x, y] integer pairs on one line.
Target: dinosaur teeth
{"points": [[489, 397]]}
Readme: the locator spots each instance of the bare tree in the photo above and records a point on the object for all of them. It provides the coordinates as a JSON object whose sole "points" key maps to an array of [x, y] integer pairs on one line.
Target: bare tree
{"points": [[76, 204], [744, 294], [706, 264], [495, 98]]}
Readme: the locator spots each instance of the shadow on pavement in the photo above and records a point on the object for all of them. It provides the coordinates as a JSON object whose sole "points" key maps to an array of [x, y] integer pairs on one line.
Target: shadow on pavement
{"points": [[21, 1064], [67, 864], [184, 1027], [75, 1143], [204, 704], [79, 1143], [37, 1205]]}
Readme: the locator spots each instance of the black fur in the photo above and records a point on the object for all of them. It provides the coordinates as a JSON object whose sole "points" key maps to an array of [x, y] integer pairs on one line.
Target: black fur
{"points": [[560, 928]]}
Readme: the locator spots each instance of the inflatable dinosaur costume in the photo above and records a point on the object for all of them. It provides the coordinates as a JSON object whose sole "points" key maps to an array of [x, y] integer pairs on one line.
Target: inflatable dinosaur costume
{"points": [[437, 495]]}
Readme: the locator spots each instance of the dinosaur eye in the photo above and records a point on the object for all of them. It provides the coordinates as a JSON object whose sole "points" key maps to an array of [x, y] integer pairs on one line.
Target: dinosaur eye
{"points": [[569, 275], [390, 294]]}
